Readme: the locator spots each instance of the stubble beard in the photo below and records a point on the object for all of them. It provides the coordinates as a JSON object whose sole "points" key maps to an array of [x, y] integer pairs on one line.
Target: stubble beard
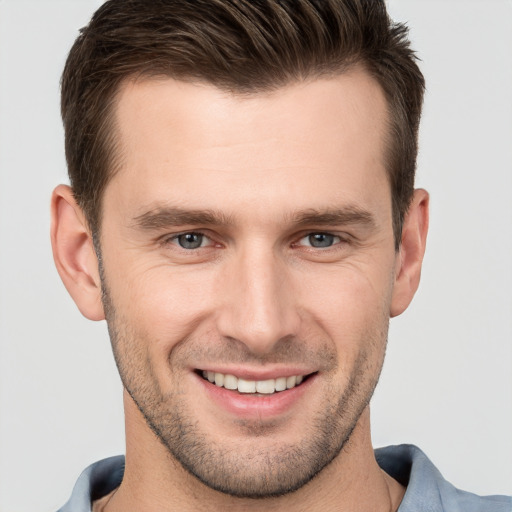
{"points": [[257, 468]]}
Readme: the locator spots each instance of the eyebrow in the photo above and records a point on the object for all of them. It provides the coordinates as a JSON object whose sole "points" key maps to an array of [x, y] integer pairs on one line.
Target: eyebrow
{"points": [[348, 215], [165, 217]]}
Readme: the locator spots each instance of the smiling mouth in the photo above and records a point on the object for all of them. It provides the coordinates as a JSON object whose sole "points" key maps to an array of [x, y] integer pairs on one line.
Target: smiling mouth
{"points": [[264, 387]]}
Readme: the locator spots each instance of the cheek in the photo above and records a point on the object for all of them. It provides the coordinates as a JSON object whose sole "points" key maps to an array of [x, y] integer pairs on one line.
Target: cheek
{"points": [[351, 307], [349, 296], [162, 305], [165, 304]]}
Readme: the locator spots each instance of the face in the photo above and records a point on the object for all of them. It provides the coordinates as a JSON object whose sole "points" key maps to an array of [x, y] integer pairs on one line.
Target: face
{"points": [[248, 270]]}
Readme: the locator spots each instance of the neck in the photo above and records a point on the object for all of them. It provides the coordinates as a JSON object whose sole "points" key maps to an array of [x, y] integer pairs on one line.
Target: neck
{"points": [[153, 480]]}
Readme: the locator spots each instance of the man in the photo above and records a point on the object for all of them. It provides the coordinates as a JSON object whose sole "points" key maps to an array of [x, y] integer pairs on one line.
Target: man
{"points": [[242, 212]]}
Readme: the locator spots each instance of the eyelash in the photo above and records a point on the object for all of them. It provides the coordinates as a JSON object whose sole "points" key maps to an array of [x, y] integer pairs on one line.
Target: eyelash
{"points": [[336, 240], [175, 239]]}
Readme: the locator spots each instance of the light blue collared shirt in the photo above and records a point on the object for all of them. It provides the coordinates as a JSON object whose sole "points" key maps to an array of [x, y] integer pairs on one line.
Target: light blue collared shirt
{"points": [[427, 490]]}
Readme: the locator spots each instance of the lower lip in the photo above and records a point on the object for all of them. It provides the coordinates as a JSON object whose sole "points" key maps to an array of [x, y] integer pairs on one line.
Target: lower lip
{"points": [[250, 406]]}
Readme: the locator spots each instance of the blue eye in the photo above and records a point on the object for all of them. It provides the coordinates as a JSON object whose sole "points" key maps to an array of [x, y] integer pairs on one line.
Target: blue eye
{"points": [[321, 240], [191, 240]]}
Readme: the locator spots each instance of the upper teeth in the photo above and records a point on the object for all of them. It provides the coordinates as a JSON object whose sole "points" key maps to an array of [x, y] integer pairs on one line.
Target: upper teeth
{"points": [[268, 386]]}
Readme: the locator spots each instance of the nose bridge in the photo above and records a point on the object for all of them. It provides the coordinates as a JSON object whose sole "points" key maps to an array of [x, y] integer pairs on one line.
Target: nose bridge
{"points": [[259, 309]]}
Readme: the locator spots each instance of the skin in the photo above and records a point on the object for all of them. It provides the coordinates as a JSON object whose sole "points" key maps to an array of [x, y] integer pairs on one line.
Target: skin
{"points": [[256, 299]]}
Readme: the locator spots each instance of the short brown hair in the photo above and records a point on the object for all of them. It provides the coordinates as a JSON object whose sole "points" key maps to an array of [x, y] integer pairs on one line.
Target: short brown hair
{"points": [[242, 46]]}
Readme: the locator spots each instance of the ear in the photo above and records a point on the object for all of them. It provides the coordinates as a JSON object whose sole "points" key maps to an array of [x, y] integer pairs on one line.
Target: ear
{"points": [[410, 255], [74, 255]]}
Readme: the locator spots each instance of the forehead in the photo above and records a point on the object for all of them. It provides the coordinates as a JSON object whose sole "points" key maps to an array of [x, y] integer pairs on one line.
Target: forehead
{"points": [[320, 141]]}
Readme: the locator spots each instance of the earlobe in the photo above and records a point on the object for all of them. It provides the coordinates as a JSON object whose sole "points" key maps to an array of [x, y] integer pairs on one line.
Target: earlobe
{"points": [[410, 255], [74, 255]]}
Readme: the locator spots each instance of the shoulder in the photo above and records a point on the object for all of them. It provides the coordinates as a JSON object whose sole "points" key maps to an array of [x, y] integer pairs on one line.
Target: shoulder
{"points": [[95, 481], [427, 490]]}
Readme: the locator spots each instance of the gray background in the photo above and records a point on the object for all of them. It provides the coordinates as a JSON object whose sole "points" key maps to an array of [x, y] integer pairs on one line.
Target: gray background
{"points": [[447, 382]]}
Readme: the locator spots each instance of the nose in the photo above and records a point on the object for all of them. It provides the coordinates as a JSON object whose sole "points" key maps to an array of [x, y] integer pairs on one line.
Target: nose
{"points": [[259, 307]]}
